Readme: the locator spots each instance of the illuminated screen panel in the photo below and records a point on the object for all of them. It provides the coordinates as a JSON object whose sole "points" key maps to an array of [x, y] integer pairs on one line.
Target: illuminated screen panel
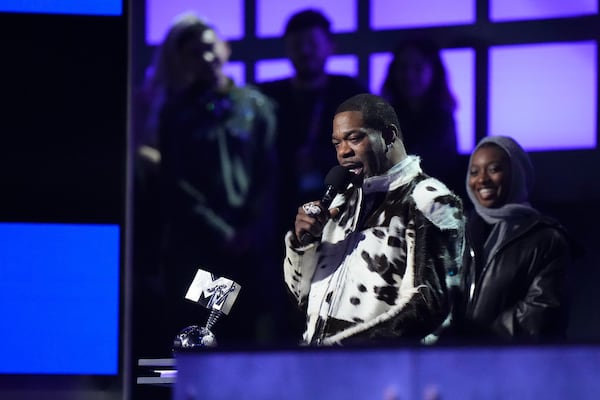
{"points": [[502, 10], [226, 15], [343, 64], [461, 77], [59, 298], [266, 70], [460, 70], [236, 71], [544, 95], [272, 15], [390, 14], [378, 65], [87, 7]]}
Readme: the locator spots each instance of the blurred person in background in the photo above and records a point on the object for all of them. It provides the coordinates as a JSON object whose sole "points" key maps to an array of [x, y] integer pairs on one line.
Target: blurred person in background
{"points": [[205, 191], [416, 85], [305, 106]]}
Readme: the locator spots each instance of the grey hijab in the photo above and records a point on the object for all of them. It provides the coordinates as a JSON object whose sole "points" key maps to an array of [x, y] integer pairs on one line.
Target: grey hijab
{"points": [[506, 218], [520, 187]]}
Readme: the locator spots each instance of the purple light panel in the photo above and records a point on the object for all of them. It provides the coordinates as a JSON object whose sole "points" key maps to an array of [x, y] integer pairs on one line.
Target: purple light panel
{"points": [[272, 15], [545, 95], [378, 64], [236, 71], [226, 15], [390, 14], [460, 70], [460, 64], [267, 70], [343, 64], [502, 10]]}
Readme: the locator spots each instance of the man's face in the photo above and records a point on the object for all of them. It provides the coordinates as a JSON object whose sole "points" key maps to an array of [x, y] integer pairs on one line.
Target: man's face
{"points": [[202, 57], [360, 149], [489, 176], [308, 51]]}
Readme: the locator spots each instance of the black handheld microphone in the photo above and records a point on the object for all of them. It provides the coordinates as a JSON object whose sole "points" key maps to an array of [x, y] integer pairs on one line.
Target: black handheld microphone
{"points": [[336, 181]]}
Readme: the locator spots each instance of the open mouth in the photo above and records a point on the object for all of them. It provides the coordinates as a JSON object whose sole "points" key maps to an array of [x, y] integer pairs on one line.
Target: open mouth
{"points": [[356, 170], [486, 193]]}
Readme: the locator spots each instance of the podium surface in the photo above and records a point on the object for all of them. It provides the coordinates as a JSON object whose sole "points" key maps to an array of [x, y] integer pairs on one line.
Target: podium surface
{"points": [[482, 372]]}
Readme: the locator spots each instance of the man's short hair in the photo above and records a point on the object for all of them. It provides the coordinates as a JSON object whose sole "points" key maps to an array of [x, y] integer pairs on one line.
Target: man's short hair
{"points": [[307, 19], [377, 113]]}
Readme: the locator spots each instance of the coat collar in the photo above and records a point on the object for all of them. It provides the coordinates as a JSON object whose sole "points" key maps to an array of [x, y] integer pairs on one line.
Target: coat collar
{"points": [[400, 174]]}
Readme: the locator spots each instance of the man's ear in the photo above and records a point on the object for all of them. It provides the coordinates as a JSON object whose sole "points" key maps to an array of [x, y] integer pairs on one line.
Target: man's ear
{"points": [[390, 133]]}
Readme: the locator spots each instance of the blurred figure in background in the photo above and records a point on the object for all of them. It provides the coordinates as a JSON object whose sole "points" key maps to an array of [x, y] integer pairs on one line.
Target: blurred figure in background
{"points": [[517, 259], [305, 105], [417, 87], [208, 187]]}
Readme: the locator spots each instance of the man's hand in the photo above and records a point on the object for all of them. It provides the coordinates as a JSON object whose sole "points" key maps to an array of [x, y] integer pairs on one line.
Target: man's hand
{"points": [[310, 220]]}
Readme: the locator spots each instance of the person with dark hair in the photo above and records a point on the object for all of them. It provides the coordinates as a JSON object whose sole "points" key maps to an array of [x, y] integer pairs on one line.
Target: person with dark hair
{"points": [[305, 104], [515, 266], [213, 186], [417, 87], [378, 263]]}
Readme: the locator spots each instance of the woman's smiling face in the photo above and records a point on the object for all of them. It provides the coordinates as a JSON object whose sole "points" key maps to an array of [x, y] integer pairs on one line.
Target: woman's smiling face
{"points": [[489, 176]]}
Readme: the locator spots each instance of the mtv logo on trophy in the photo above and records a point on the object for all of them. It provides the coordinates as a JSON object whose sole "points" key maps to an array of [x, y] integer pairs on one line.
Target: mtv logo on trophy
{"points": [[217, 295]]}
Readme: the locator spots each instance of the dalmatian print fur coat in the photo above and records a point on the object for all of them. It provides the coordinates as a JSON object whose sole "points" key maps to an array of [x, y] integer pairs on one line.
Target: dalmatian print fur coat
{"points": [[383, 266]]}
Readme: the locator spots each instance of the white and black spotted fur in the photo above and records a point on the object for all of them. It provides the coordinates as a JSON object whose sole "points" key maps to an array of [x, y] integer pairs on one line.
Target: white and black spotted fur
{"points": [[383, 272]]}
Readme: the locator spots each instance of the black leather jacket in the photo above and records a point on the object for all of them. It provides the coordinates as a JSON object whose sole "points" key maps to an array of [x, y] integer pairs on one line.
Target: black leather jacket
{"points": [[519, 292]]}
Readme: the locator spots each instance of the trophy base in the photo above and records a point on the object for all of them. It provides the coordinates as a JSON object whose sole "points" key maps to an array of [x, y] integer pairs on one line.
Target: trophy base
{"points": [[194, 337]]}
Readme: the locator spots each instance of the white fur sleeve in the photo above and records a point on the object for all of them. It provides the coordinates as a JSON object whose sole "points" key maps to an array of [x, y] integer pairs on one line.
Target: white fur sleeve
{"points": [[298, 268]]}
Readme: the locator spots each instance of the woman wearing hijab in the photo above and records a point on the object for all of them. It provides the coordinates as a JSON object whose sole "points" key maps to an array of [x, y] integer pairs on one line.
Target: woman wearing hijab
{"points": [[516, 261]]}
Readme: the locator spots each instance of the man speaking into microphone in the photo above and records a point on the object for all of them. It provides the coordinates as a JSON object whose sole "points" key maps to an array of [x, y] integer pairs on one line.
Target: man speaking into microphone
{"points": [[375, 258]]}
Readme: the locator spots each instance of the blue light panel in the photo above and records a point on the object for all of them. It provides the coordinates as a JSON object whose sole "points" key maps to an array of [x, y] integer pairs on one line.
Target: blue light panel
{"points": [[87, 7], [59, 298]]}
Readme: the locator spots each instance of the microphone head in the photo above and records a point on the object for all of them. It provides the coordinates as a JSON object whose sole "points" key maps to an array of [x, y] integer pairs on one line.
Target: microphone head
{"points": [[338, 177]]}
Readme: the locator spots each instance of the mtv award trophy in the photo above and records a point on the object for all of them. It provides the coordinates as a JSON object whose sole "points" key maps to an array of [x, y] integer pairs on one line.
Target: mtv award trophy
{"points": [[217, 295]]}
